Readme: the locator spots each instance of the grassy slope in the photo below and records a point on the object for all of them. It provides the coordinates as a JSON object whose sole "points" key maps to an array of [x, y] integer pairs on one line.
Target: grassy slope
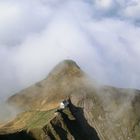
{"points": [[47, 125], [28, 120]]}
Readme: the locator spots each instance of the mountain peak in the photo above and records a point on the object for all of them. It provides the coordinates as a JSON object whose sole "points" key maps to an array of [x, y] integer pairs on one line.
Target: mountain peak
{"points": [[63, 80], [65, 69], [69, 62]]}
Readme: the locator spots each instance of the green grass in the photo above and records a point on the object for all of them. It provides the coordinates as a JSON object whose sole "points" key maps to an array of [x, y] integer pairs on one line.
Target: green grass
{"points": [[39, 119]]}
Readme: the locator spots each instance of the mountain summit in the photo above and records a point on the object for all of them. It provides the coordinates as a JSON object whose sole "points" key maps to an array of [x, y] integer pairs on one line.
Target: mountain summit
{"points": [[93, 112], [63, 80]]}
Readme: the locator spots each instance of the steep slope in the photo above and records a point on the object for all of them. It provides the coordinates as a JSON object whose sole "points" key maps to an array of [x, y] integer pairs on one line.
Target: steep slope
{"points": [[109, 113]]}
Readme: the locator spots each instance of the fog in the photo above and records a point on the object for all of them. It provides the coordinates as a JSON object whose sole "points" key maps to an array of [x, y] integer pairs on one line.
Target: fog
{"points": [[101, 36]]}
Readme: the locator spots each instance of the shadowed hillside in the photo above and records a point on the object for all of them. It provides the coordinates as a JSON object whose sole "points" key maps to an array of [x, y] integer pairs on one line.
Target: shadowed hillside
{"points": [[17, 136]]}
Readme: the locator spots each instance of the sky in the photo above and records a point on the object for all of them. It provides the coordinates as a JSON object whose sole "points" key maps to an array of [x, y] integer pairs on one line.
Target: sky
{"points": [[102, 36]]}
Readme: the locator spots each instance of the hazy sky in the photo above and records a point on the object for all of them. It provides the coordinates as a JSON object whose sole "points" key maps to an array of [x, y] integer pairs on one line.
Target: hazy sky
{"points": [[102, 36]]}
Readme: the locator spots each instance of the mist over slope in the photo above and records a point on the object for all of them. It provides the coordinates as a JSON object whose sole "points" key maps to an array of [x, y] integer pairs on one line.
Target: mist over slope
{"points": [[101, 35], [112, 112]]}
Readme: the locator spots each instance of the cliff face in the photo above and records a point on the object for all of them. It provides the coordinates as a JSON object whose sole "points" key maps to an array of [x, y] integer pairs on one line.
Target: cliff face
{"points": [[95, 112], [114, 118]]}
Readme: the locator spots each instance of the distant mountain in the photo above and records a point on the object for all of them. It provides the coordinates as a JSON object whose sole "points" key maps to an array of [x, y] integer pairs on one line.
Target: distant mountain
{"points": [[95, 112]]}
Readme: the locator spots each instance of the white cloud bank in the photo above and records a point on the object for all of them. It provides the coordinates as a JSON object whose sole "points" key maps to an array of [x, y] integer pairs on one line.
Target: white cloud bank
{"points": [[101, 35]]}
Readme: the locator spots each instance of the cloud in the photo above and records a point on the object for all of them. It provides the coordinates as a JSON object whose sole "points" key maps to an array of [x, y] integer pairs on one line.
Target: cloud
{"points": [[20, 19], [101, 36], [132, 11]]}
